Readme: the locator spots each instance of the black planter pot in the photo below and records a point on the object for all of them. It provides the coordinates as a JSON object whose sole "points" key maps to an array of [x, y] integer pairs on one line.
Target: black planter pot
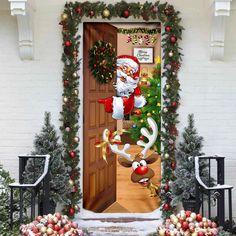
{"points": [[51, 208], [191, 205]]}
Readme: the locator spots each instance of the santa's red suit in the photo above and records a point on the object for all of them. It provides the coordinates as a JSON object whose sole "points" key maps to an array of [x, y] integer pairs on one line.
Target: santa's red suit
{"points": [[129, 94]]}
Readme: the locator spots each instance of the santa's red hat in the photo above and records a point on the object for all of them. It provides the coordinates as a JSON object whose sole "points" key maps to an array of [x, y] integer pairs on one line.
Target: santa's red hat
{"points": [[130, 61]]}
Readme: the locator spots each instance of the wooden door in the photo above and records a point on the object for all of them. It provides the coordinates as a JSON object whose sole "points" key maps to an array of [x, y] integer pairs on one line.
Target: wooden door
{"points": [[99, 178]]}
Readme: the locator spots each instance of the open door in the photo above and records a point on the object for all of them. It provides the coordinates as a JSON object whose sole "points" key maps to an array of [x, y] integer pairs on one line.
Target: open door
{"points": [[99, 178]]}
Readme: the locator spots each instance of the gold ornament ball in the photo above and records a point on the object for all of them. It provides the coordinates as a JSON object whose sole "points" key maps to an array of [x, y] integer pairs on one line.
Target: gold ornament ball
{"points": [[149, 95], [170, 54], [64, 16], [142, 121], [162, 232], [194, 234], [75, 75], [106, 13], [76, 139], [166, 156], [65, 99], [149, 114], [49, 231], [71, 182], [76, 207], [43, 229], [193, 215], [175, 221], [76, 91], [158, 104], [167, 86]]}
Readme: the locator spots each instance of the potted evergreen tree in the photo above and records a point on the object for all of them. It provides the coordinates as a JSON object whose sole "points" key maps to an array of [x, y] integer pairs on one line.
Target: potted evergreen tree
{"points": [[183, 189], [47, 143], [5, 230]]}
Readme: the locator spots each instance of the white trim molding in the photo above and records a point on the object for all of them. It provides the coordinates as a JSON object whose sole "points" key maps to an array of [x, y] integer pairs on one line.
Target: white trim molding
{"points": [[221, 11], [24, 13]]}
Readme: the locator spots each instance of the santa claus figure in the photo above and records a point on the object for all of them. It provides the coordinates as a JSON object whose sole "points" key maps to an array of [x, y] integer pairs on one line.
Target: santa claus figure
{"points": [[128, 91]]}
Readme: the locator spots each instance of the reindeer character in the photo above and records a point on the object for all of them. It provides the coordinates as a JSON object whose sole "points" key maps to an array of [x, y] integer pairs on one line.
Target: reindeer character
{"points": [[142, 174]]}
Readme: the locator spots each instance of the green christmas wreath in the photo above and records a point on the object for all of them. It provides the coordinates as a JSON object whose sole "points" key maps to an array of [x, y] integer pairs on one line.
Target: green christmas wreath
{"points": [[102, 61]]}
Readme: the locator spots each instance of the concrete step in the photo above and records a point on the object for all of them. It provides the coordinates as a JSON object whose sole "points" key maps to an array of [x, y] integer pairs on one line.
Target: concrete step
{"points": [[126, 226]]}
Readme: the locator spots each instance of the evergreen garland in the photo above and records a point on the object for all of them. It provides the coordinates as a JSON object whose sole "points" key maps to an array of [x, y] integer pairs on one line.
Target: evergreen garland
{"points": [[102, 61], [70, 19]]}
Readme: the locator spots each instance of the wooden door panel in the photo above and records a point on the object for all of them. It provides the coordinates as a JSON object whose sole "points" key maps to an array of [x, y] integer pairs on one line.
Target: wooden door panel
{"points": [[92, 116], [102, 88], [102, 115], [92, 85], [92, 189], [99, 178], [110, 88], [92, 152]]}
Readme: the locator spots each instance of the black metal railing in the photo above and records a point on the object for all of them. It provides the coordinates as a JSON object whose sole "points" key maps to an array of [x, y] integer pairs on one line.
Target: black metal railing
{"points": [[206, 193], [40, 188]]}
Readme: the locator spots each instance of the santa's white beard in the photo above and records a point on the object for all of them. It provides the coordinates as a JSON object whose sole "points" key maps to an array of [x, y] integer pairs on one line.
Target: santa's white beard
{"points": [[125, 88]]}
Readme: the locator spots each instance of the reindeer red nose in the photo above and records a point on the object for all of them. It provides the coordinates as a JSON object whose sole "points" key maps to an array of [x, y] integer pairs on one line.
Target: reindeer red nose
{"points": [[141, 170]]}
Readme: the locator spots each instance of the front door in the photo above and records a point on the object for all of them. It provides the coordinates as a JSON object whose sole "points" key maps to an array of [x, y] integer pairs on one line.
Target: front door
{"points": [[99, 178]]}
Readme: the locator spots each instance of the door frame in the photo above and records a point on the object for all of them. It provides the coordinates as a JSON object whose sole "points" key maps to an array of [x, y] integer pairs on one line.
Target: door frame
{"points": [[84, 213]]}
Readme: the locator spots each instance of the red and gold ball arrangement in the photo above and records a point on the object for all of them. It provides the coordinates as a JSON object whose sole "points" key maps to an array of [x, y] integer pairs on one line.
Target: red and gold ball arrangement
{"points": [[53, 225], [188, 223]]}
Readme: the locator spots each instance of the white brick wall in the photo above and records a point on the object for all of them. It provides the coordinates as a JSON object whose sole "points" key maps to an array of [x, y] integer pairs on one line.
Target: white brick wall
{"points": [[30, 88]]}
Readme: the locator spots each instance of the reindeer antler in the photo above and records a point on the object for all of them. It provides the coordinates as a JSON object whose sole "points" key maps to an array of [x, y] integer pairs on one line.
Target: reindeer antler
{"points": [[151, 137], [121, 152], [114, 147]]}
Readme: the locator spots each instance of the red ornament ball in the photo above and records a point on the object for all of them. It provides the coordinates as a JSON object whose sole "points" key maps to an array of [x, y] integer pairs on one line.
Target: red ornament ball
{"points": [[66, 83], [173, 165], [199, 217], [200, 233], [141, 137], [79, 10], [72, 154], [91, 13], [188, 213], [67, 43], [167, 28], [138, 112], [126, 13], [74, 189], [173, 39], [166, 188], [167, 233], [71, 211], [166, 207], [185, 225], [174, 104]]}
